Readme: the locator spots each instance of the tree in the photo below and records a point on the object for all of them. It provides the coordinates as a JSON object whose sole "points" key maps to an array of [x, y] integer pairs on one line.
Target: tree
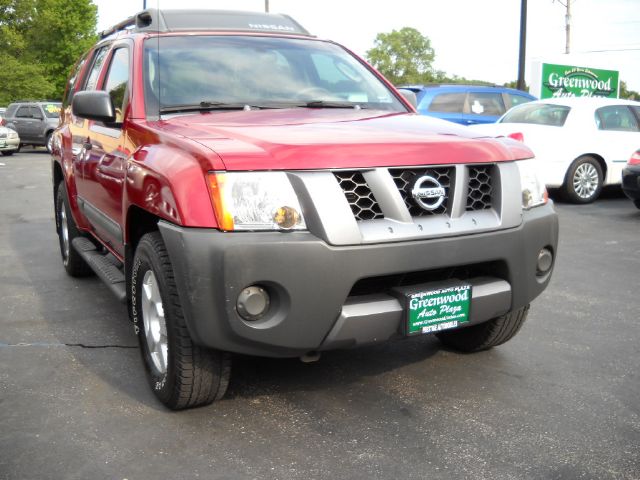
{"points": [[22, 80], [403, 56], [40, 40], [628, 94], [61, 31]]}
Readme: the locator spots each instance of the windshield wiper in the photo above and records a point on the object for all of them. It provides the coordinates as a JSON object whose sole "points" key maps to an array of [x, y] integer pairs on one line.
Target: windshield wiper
{"points": [[330, 104], [206, 106]]}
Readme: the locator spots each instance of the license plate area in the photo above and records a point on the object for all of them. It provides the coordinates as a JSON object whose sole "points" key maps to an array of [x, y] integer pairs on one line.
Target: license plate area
{"points": [[433, 308]]}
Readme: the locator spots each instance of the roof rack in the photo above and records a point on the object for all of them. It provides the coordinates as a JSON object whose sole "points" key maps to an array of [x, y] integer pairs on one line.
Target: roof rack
{"points": [[161, 21]]}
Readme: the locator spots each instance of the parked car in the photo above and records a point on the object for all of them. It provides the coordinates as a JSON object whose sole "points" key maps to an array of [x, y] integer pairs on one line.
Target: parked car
{"points": [[9, 141], [34, 121], [467, 104], [246, 187], [581, 144], [631, 179]]}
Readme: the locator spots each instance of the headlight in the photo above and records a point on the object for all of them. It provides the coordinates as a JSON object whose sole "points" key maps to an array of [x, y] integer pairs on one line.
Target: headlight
{"points": [[255, 201], [12, 135], [534, 192]]}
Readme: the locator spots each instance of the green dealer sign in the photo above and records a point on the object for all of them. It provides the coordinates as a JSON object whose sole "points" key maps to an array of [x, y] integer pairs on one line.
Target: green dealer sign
{"points": [[571, 81]]}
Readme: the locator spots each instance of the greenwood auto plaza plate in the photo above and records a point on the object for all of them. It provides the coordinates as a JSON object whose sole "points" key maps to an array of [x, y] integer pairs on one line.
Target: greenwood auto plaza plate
{"points": [[434, 310]]}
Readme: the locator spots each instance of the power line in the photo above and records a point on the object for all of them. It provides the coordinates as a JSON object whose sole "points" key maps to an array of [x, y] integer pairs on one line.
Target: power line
{"points": [[611, 50]]}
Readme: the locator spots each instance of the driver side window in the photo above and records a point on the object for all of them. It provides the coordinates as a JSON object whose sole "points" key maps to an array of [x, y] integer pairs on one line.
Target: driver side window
{"points": [[117, 81]]}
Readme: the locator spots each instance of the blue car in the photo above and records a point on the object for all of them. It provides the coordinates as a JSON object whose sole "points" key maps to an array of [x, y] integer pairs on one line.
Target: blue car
{"points": [[467, 104]]}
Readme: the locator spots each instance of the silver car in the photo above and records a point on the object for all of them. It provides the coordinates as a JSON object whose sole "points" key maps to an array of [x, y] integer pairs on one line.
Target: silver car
{"points": [[9, 141], [34, 121]]}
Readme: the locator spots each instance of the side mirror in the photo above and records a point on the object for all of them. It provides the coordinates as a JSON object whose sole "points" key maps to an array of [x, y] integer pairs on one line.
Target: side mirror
{"points": [[93, 105], [409, 96]]}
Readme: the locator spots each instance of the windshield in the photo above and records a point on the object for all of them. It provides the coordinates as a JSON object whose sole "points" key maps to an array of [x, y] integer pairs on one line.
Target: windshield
{"points": [[52, 110], [540, 114], [212, 72]]}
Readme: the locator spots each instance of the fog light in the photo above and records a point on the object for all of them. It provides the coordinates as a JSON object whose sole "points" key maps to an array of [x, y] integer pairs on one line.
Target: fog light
{"points": [[286, 217], [545, 260], [253, 303]]}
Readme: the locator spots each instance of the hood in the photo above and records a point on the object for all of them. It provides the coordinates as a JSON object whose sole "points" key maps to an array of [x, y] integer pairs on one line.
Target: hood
{"points": [[295, 139]]}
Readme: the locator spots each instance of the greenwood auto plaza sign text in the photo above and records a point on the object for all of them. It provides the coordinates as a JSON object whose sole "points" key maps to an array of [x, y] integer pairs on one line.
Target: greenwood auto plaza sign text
{"points": [[552, 81]]}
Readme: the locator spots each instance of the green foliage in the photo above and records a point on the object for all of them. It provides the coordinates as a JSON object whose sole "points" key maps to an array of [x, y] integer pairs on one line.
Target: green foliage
{"points": [[40, 41], [22, 80], [628, 94], [404, 56]]}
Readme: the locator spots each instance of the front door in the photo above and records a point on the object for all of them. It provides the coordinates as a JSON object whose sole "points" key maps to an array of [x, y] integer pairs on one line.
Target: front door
{"points": [[105, 157]]}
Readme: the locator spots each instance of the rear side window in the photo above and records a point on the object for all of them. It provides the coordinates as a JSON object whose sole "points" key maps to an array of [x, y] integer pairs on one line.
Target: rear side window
{"points": [[117, 81], [94, 74], [11, 110], [72, 84], [24, 112], [448, 103], [617, 118], [539, 114], [488, 104]]}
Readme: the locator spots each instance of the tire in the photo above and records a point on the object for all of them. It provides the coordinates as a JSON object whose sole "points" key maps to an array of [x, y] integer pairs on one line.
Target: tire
{"points": [[584, 180], [73, 263], [636, 202], [181, 374], [485, 335], [8, 153], [48, 142]]}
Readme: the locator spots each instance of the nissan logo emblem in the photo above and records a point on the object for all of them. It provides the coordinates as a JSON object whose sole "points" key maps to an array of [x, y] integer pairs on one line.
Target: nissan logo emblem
{"points": [[428, 192]]}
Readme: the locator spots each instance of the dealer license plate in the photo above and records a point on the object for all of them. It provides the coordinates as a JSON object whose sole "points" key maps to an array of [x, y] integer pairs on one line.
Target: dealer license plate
{"points": [[436, 310]]}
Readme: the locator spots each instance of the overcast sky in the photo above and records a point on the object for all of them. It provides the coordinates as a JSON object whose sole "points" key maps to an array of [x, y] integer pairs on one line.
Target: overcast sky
{"points": [[477, 39]]}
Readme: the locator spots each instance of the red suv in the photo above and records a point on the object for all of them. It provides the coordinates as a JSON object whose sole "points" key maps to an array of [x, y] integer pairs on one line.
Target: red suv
{"points": [[246, 187]]}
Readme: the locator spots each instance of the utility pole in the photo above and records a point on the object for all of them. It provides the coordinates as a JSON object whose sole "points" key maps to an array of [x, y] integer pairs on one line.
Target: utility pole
{"points": [[523, 44], [567, 23], [266, 6]]}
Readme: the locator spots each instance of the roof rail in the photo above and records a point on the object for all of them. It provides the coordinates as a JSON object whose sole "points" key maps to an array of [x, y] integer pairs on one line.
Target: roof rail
{"points": [[155, 20]]}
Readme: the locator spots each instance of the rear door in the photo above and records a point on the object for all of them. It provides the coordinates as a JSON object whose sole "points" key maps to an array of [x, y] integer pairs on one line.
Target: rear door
{"points": [[25, 123], [483, 107], [618, 136], [445, 105]]}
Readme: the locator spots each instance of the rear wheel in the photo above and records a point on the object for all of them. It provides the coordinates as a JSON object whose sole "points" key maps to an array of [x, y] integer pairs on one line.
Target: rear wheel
{"points": [[182, 374], [73, 263], [485, 335], [584, 180]]}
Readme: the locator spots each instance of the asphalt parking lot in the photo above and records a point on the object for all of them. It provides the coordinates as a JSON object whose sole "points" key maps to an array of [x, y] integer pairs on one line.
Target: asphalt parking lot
{"points": [[560, 401]]}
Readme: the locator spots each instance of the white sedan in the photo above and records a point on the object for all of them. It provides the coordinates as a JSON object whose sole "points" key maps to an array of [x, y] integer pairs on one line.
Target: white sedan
{"points": [[9, 141], [580, 144]]}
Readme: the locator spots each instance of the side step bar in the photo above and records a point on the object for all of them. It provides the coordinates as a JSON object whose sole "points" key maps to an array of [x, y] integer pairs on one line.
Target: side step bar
{"points": [[102, 266]]}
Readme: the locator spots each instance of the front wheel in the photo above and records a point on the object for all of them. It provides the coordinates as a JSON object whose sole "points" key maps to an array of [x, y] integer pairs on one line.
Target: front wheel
{"points": [[485, 335], [8, 153], [636, 202], [182, 374], [584, 180], [49, 142]]}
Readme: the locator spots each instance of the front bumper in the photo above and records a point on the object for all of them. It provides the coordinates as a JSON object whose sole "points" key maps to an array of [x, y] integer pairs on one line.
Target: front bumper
{"points": [[314, 305], [9, 144], [631, 181]]}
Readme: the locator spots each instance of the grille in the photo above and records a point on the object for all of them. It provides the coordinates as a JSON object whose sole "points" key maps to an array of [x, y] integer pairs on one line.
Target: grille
{"points": [[3, 135], [404, 179], [480, 188], [360, 197]]}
